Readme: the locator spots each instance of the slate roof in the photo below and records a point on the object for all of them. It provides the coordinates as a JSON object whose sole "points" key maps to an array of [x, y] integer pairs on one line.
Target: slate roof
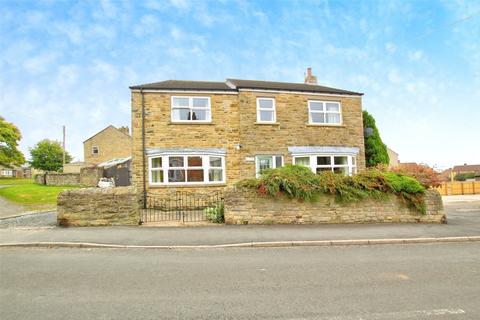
{"points": [[185, 85], [287, 86], [467, 168], [110, 126], [237, 84]]}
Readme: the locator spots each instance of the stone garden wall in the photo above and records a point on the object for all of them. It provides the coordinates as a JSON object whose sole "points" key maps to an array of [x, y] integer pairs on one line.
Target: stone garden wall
{"points": [[98, 207], [244, 206], [39, 178], [62, 179], [88, 176]]}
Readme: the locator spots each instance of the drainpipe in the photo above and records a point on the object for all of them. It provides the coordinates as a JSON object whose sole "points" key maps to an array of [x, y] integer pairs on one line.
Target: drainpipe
{"points": [[143, 152]]}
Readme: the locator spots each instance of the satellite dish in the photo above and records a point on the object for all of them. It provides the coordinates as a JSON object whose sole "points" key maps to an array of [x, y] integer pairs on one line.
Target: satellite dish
{"points": [[368, 132]]}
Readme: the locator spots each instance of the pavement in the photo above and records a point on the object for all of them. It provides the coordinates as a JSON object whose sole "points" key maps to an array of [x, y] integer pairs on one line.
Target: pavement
{"points": [[8, 208], [388, 282], [463, 216]]}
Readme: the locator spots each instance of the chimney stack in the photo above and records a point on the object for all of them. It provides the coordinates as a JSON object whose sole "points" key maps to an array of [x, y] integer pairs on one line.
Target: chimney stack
{"points": [[309, 77], [124, 129]]}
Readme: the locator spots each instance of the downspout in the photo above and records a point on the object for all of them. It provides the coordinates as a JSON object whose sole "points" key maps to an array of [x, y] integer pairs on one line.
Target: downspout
{"points": [[143, 152]]}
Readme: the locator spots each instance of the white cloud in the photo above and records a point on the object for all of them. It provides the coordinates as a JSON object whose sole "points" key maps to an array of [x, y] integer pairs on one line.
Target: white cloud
{"points": [[181, 4], [149, 24], [104, 70], [390, 48], [40, 63], [415, 55]]}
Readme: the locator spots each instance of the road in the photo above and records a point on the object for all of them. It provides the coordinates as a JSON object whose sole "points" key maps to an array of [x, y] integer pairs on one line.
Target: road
{"points": [[436, 281]]}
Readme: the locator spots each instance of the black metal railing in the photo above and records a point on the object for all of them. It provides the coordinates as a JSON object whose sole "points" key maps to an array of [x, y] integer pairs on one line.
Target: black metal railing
{"points": [[184, 207]]}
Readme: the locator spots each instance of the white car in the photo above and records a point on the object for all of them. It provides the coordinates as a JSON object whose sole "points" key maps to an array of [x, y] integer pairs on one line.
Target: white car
{"points": [[106, 183]]}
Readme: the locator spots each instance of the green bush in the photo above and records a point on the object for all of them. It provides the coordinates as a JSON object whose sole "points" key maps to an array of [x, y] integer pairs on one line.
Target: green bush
{"points": [[299, 182], [294, 181], [215, 214], [408, 188]]}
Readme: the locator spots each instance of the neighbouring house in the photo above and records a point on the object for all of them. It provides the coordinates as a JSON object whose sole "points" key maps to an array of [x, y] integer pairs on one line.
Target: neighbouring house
{"points": [[108, 144], [472, 169], [201, 136], [23, 171], [393, 158], [8, 172], [75, 167]]}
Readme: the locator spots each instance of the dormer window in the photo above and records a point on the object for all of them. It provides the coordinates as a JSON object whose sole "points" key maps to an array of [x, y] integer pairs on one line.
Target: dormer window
{"points": [[191, 109], [266, 110]]}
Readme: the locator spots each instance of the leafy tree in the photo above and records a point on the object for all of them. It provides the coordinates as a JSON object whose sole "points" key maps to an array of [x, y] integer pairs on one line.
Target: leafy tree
{"points": [[375, 149], [47, 155], [9, 137]]}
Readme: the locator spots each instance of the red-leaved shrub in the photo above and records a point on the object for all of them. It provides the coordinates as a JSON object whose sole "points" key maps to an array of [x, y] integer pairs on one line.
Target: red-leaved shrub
{"points": [[424, 174]]}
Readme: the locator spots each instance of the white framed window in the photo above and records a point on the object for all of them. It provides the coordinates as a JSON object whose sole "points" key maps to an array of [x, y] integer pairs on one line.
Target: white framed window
{"points": [[338, 163], [324, 112], [7, 173], [263, 162], [181, 169], [191, 109], [94, 150], [266, 112]]}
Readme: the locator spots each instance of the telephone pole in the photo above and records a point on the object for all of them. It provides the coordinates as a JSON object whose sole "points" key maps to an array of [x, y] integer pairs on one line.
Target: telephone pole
{"points": [[64, 145]]}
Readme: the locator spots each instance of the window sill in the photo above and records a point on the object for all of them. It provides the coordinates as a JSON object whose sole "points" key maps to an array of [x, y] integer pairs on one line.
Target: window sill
{"points": [[267, 123], [326, 125], [188, 185], [192, 123]]}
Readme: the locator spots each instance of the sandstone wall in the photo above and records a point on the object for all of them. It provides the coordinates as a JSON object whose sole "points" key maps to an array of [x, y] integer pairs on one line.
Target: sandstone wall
{"points": [[98, 207], [39, 178], [62, 179], [248, 207], [89, 176]]}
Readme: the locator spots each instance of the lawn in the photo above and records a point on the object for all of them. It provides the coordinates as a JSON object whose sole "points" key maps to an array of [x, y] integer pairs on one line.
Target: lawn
{"points": [[14, 181], [32, 195]]}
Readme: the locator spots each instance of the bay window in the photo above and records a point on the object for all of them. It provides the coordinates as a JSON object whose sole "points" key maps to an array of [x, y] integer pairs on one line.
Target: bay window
{"points": [[324, 112], [186, 169], [345, 164], [267, 162], [191, 109]]}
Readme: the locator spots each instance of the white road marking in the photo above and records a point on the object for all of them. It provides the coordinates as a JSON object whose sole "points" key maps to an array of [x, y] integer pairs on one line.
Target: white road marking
{"points": [[395, 315]]}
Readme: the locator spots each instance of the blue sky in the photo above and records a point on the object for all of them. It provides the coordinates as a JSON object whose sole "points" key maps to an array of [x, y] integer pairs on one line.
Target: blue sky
{"points": [[418, 62]]}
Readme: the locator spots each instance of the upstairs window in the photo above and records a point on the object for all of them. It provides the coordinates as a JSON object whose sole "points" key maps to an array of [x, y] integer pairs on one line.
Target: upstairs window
{"points": [[266, 110], [324, 112], [191, 109], [94, 150]]}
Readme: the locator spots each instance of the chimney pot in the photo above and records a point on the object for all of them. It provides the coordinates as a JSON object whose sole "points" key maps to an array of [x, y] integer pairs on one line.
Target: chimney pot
{"points": [[309, 77]]}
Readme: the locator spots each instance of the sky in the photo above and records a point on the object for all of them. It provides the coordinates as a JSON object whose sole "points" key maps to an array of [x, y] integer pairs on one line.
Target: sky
{"points": [[417, 62]]}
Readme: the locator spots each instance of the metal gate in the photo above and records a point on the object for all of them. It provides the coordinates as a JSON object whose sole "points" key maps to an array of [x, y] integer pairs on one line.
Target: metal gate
{"points": [[184, 207]]}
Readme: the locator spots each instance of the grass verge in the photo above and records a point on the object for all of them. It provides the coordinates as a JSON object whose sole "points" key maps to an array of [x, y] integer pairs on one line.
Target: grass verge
{"points": [[33, 196], [14, 181]]}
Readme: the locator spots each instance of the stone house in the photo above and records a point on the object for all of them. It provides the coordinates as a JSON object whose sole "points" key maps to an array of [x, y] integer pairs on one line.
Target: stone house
{"points": [[200, 136], [393, 158], [108, 144]]}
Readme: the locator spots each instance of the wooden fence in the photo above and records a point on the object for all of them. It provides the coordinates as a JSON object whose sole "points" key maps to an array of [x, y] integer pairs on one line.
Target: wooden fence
{"points": [[459, 187]]}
